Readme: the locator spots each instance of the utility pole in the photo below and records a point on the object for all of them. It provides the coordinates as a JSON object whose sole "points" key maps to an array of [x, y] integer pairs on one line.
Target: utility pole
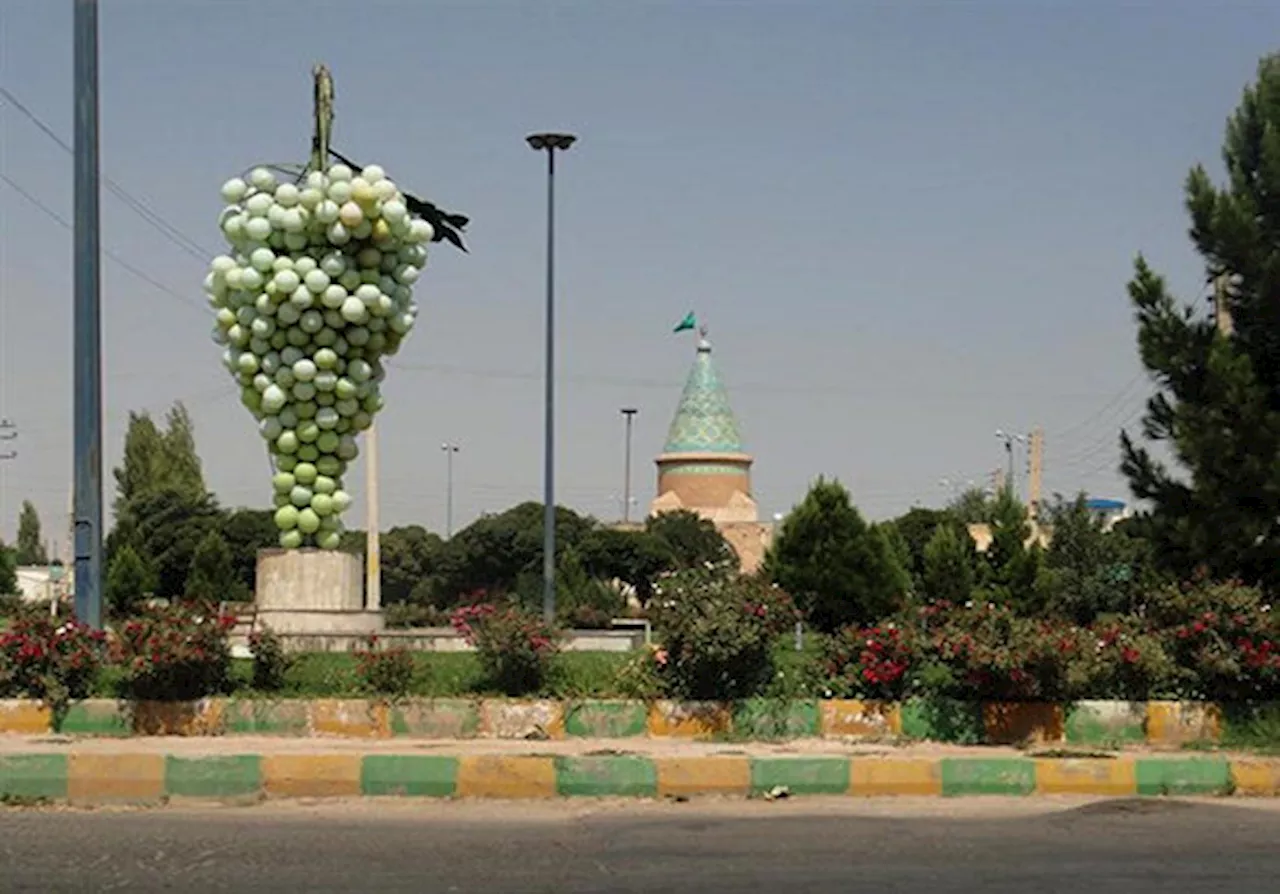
{"points": [[627, 412], [449, 451], [1221, 311], [1035, 472], [87, 338], [373, 561], [1009, 440], [8, 432]]}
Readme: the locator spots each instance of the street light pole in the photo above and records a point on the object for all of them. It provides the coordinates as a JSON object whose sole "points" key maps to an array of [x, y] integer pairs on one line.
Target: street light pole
{"points": [[628, 412], [449, 451], [549, 142], [87, 365], [1008, 449]]}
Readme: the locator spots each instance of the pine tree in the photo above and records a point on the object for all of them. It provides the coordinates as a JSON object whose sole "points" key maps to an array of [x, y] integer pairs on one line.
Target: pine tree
{"points": [[213, 577], [30, 551], [129, 581], [1217, 402], [949, 563], [140, 471], [1010, 566], [836, 566]]}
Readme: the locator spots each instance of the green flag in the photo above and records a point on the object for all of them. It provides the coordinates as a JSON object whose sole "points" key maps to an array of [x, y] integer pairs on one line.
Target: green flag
{"points": [[689, 322]]}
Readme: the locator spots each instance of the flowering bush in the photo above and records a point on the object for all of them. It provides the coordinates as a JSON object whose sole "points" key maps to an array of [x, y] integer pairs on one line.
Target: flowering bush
{"points": [[717, 634], [514, 646], [870, 662], [175, 653], [55, 661], [270, 663], [1121, 658], [385, 670], [1222, 637]]}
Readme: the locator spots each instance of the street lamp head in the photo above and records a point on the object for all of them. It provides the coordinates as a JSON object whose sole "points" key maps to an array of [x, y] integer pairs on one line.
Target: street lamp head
{"points": [[550, 141], [628, 411]]}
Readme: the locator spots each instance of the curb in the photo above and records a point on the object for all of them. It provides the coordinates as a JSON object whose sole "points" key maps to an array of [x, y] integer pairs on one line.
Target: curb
{"points": [[1097, 723], [104, 779]]}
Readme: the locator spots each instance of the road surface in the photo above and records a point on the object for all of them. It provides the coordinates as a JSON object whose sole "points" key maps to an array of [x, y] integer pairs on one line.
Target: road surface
{"points": [[801, 847]]}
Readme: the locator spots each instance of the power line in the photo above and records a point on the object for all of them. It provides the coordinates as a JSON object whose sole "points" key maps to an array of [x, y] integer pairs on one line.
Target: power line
{"points": [[138, 206], [1114, 401], [66, 224]]}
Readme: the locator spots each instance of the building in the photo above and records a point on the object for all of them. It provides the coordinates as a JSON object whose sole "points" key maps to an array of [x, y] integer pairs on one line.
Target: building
{"points": [[704, 466]]}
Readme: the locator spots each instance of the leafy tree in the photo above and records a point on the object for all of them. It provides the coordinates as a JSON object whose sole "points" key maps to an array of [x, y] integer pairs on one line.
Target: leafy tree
{"points": [[165, 528], [916, 528], [1217, 402], [409, 556], [246, 532], [30, 549], [129, 580], [693, 540], [141, 470], [1087, 572], [1010, 566], [949, 565], [899, 551], [494, 552], [839, 569], [8, 574], [212, 578], [634, 557], [973, 507]]}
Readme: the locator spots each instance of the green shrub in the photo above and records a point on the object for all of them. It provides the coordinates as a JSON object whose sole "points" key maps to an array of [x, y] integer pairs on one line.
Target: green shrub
{"points": [[515, 647], [385, 670], [175, 653], [270, 663]]}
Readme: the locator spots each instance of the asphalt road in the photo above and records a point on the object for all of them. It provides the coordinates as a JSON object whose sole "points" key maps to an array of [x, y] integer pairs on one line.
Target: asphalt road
{"points": [[806, 847]]}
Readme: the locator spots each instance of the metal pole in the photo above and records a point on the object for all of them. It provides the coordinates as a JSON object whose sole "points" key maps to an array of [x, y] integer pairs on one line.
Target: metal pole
{"points": [[549, 464], [449, 450], [373, 524], [88, 322], [626, 485]]}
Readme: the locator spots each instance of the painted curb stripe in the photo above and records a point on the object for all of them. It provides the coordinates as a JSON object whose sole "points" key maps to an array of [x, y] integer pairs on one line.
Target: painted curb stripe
{"points": [[34, 776], [988, 776], [148, 778], [1190, 776], [417, 775], [233, 776], [605, 720], [801, 775], [606, 776]]}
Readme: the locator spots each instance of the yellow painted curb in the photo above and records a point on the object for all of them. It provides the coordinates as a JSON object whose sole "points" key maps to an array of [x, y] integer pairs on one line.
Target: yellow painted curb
{"points": [[1256, 777], [311, 775], [1176, 723], [25, 717], [875, 777], [1086, 776], [688, 721], [854, 717], [493, 776], [687, 776], [96, 778], [502, 719], [354, 718]]}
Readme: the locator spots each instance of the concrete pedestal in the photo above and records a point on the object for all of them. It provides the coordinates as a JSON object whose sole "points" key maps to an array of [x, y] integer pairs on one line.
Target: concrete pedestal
{"points": [[313, 591]]}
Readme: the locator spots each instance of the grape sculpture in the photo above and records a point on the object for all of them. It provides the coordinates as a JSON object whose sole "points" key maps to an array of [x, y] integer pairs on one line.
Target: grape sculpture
{"points": [[315, 290]]}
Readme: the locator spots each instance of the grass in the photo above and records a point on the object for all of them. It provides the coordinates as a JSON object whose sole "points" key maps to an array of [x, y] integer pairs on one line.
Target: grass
{"points": [[439, 675]]}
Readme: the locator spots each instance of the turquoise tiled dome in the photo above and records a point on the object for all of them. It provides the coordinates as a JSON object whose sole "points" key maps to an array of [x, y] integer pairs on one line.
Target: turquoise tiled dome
{"points": [[704, 422]]}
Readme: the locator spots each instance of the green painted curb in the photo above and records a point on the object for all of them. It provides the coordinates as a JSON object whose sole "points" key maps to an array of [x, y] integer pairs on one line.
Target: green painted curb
{"points": [[606, 719], [1183, 776], [1108, 724], [801, 775], [988, 776], [943, 720], [607, 775], [234, 776], [420, 775], [256, 717], [97, 717], [445, 718], [771, 718], [34, 776]]}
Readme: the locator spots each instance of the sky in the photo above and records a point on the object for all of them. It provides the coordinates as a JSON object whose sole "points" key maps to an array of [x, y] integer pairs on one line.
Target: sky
{"points": [[907, 225]]}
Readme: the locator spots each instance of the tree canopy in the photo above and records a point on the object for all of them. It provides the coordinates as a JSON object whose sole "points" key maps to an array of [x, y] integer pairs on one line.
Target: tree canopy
{"points": [[30, 548], [1216, 406]]}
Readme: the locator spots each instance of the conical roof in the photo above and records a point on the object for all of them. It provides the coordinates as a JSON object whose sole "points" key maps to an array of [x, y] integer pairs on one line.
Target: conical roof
{"points": [[704, 422]]}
